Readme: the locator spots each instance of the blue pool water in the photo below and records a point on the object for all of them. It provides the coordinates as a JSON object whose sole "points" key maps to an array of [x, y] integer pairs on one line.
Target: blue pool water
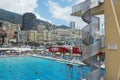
{"points": [[32, 68]]}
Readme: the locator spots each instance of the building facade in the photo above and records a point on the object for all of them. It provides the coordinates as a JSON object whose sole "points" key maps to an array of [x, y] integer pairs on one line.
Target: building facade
{"points": [[72, 25], [63, 34], [1, 24], [22, 36], [6, 25], [29, 21], [32, 36], [40, 37], [2, 36], [10, 33]]}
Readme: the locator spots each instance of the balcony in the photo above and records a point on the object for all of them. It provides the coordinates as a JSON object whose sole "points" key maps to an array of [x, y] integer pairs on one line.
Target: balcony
{"points": [[77, 10]]}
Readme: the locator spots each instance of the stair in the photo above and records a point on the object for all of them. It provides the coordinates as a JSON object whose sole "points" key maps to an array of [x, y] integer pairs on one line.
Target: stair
{"points": [[88, 39]]}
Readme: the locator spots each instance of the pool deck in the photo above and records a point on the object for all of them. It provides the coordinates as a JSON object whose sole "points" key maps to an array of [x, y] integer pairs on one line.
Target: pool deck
{"points": [[62, 60], [73, 61], [22, 55]]}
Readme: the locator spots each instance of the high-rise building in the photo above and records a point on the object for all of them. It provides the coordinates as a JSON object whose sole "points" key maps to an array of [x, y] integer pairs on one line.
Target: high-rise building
{"points": [[72, 25], [29, 21], [0, 24]]}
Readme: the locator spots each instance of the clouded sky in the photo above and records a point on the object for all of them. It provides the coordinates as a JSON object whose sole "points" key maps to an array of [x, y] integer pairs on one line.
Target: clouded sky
{"points": [[54, 11]]}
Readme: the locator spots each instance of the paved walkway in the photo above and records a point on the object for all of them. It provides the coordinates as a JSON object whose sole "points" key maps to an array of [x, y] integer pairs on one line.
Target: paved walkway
{"points": [[73, 61]]}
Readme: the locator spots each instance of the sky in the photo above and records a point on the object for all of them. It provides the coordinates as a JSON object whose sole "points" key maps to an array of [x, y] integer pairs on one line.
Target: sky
{"points": [[54, 11]]}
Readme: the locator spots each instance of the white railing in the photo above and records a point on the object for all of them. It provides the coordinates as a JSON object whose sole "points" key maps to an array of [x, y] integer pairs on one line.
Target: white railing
{"points": [[78, 7], [94, 3], [102, 41], [94, 75], [89, 36], [84, 5], [91, 50], [101, 1]]}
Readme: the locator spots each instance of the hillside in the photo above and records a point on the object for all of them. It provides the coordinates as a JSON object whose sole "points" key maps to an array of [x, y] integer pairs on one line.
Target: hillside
{"points": [[63, 27], [10, 16], [17, 19]]}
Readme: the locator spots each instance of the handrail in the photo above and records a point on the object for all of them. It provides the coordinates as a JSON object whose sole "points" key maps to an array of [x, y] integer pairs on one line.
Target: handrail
{"points": [[94, 75], [82, 6], [88, 37], [91, 50], [89, 34]]}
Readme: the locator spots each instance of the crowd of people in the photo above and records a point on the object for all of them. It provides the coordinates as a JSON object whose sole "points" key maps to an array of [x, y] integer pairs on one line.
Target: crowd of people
{"points": [[14, 53]]}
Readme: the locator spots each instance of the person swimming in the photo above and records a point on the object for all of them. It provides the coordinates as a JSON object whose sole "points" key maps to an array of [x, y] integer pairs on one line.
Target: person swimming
{"points": [[36, 73], [9, 66]]}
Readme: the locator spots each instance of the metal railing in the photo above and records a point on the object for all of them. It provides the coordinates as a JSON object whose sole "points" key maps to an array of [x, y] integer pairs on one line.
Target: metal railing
{"points": [[88, 37], [94, 75], [88, 4], [91, 50]]}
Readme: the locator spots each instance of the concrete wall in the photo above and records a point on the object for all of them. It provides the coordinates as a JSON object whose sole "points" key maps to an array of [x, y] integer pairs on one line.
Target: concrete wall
{"points": [[112, 39]]}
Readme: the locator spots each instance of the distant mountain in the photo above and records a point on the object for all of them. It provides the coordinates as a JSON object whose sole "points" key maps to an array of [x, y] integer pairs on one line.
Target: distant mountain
{"points": [[63, 27], [10, 16], [17, 19]]}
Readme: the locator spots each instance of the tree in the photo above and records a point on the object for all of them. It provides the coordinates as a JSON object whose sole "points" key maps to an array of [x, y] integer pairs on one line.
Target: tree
{"points": [[60, 43]]}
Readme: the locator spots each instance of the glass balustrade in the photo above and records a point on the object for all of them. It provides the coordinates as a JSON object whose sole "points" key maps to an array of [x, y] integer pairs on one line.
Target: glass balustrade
{"points": [[88, 4]]}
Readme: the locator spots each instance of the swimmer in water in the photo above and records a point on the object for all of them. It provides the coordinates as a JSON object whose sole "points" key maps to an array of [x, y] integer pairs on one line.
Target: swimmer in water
{"points": [[9, 66], [36, 72]]}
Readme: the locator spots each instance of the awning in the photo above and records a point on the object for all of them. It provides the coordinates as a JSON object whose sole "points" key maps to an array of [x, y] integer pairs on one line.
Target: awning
{"points": [[57, 52], [67, 54]]}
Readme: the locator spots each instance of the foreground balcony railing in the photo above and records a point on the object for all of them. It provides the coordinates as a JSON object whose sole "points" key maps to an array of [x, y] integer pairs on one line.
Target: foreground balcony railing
{"points": [[82, 6], [90, 50], [93, 75]]}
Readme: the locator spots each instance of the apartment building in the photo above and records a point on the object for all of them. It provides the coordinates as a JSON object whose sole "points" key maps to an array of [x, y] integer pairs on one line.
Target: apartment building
{"points": [[32, 35]]}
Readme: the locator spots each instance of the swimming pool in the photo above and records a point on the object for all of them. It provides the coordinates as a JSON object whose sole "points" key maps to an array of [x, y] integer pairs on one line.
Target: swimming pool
{"points": [[33, 68]]}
